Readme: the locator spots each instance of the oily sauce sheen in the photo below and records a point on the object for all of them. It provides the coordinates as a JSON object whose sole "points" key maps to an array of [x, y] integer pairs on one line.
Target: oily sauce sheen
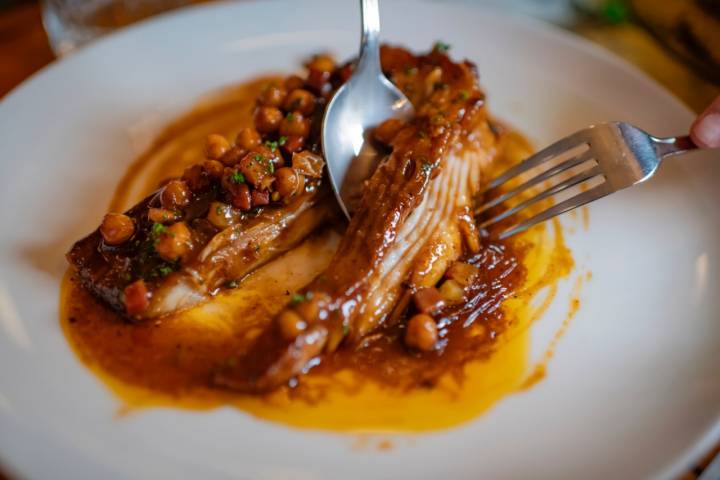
{"points": [[379, 385]]}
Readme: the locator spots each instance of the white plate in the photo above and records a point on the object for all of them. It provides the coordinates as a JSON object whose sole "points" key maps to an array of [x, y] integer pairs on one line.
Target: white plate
{"points": [[632, 392]]}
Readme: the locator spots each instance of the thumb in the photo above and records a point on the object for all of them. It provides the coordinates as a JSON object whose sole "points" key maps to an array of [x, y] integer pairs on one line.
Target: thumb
{"points": [[705, 131]]}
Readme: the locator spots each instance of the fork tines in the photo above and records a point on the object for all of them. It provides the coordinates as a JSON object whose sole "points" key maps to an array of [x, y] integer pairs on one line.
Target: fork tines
{"points": [[570, 160]]}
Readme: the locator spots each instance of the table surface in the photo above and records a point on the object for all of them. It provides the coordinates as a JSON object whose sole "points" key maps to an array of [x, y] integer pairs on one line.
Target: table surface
{"points": [[24, 50]]}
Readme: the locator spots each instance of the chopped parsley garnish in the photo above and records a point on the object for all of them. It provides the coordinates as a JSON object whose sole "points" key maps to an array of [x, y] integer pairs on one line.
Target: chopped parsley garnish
{"points": [[464, 95], [272, 145], [158, 229], [271, 167], [282, 140], [164, 271], [441, 46], [218, 210], [237, 177], [346, 329], [297, 298], [290, 117], [259, 157]]}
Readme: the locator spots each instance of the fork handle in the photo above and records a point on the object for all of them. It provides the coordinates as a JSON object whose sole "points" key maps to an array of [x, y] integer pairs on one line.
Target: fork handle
{"points": [[667, 147]]}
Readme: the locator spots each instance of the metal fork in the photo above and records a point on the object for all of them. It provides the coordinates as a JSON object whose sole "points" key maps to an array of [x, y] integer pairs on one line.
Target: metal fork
{"points": [[615, 155]]}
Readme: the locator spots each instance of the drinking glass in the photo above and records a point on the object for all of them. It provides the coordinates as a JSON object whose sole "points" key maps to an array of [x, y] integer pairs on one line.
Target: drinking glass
{"points": [[72, 23]]}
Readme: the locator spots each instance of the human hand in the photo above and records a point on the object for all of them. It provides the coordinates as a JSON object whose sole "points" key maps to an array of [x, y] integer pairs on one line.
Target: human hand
{"points": [[705, 131]]}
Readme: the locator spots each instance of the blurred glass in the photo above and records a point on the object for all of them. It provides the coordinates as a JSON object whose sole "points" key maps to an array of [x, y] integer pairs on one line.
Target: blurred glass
{"points": [[72, 23]]}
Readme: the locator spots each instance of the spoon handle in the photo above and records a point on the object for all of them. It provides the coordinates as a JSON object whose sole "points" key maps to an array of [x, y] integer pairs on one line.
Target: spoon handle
{"points": [[370, 41]]}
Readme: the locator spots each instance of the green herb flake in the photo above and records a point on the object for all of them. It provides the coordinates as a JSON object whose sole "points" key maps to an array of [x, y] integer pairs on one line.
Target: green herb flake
{"points": [[232, 283], [290, 117], [441, 46], [425, 166], [345, 330], [271, 167], [218, 210], [282, 140], [158, 229], [464, 95], [297, 298], [272, 145], [237, 177], [164, 271], [259, 157]]}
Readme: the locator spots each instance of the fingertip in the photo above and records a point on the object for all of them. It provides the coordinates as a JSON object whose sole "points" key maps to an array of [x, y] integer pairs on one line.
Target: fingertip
{"points": [[705, 132]]}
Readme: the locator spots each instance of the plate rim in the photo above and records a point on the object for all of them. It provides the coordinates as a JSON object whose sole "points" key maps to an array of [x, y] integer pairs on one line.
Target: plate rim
{"points": [[674, 467]]}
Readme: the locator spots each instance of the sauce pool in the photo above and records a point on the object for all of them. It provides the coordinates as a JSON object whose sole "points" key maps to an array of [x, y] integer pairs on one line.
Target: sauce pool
{"points": [[382, 387]]}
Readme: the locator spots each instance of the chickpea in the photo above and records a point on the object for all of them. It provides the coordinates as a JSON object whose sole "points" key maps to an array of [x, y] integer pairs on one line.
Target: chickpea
{"points": [[293, 82], [289, 182], [117, 228], [241, 199], [267, 119], [175, 194], [213, 168], [452, 292], [318, 81], [136, 298], [323, 63], [421, 333], [216, 146], [295, 123], [194, 177], [248, 138], [291, 324], [162, 215], [233, 156], [174, 242], [272, 96], [222, 215], [300, 100]]}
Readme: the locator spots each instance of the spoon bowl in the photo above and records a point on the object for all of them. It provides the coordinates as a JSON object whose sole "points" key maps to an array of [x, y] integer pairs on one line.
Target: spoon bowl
{"points": [[363, 102]]}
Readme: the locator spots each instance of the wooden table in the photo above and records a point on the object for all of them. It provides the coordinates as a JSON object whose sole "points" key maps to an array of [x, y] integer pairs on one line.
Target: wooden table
{"points": [[24, 50]]}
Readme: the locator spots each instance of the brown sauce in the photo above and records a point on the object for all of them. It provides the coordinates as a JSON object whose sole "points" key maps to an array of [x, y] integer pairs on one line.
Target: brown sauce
{"points": [[382, 387]]}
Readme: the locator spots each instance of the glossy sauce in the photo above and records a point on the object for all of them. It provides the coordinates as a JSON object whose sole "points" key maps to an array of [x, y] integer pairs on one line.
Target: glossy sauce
{"points": [[381, 387]]}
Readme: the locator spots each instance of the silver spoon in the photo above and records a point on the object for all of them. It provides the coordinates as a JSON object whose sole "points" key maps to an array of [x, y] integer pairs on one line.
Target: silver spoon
{"points": [[364, 101]]}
